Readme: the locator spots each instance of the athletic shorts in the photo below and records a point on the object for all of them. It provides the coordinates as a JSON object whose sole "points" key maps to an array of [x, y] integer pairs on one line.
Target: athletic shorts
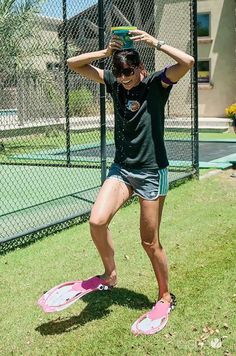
{"points": [[149, 184]]}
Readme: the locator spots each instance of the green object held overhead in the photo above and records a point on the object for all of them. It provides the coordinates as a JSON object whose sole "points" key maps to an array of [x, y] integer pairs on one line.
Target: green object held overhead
{"points": [[123, 33]]}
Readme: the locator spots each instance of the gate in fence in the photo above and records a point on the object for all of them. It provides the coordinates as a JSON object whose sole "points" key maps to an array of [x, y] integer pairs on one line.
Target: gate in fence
{"points": [[56, 128]]}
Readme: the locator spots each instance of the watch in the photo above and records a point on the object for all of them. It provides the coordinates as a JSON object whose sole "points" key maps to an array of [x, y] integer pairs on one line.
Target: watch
{"points": [[159, 44]]}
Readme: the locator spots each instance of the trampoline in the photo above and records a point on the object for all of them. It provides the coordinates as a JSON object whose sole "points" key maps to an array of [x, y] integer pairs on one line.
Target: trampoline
{"points": [[176, 149], [211, 153], [212, 150]]}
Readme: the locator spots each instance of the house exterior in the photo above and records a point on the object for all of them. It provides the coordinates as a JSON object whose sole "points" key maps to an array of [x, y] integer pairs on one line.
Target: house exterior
{"points": [[216, 56], [216, 45]]}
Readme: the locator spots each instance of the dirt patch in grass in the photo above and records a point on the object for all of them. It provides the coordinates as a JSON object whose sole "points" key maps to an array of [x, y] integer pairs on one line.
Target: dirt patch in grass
{"points": [[229, 177]]}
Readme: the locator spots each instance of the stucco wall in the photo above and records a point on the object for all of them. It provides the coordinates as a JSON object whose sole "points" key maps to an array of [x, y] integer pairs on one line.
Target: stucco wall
{"points": [[222, 92]]}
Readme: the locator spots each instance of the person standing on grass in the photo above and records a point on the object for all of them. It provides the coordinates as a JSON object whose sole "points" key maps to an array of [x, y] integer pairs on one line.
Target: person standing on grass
{"points": [[140, 163]]}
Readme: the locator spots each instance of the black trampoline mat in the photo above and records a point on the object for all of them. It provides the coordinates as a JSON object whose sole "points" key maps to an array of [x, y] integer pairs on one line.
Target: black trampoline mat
{"points": [[209, 151]]}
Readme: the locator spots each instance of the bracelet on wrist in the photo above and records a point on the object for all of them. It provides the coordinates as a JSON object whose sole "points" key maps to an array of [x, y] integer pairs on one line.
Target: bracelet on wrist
{"points": [[159, 44]]}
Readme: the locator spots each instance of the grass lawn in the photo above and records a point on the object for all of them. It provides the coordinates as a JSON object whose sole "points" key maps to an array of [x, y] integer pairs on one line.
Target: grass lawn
{"points": [[217, 136], [199, 234]]}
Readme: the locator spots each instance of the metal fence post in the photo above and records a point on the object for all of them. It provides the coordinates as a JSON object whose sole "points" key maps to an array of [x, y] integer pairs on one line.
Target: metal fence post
{"points": [[102, 92], [66, 81], [195, 92]]}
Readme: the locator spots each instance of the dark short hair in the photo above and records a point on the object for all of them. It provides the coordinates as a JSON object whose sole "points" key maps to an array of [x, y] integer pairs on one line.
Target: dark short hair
{"points": [[126, 56]]}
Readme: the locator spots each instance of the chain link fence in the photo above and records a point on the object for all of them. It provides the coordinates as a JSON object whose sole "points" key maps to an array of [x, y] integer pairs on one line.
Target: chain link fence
{"points": [[56, 140]]}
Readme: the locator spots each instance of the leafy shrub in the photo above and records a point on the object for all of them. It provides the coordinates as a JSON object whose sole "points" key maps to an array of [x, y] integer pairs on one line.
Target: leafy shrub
{"points": [[81, 102], [231, 111]]}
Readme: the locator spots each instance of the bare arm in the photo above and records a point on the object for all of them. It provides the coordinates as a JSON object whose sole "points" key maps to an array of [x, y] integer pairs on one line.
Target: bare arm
{"points": [[82, 64], [184, 61]]}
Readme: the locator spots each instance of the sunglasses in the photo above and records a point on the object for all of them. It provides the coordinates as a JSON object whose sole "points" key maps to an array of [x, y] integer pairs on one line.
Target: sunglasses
{"points": [[118, 72]]}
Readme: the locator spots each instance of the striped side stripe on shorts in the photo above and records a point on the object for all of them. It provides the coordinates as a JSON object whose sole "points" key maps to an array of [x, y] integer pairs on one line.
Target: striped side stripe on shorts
{"points": [[163, 181]]}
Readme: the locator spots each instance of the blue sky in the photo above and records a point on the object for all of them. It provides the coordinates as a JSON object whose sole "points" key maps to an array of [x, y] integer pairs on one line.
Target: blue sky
{"points": [[53, 8]]}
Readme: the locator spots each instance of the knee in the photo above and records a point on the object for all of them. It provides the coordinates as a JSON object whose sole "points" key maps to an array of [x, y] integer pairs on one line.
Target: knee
{"points": [[151, 246], [97, 222]]}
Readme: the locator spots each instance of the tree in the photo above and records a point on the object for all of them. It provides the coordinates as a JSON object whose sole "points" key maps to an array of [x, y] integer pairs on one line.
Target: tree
{"points": [[21, 45], [16, 34]]}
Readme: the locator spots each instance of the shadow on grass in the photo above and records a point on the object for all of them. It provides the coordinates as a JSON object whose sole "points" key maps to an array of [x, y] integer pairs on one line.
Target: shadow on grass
{"points": [[97, 307]]}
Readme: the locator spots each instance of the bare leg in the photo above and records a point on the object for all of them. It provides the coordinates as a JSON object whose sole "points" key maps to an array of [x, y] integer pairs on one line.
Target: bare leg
{"points": [[150, 220], [111, 197]]}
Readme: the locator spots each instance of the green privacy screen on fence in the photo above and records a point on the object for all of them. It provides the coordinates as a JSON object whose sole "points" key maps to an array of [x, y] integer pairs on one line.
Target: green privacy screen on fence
{"points": [[56, 140]]}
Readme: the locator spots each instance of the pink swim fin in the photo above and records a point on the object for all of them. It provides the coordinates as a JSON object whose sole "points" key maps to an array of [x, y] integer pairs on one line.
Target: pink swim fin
{"points": [[65, 294]]}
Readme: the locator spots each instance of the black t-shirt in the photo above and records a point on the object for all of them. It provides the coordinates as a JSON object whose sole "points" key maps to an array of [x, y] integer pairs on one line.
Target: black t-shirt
{"points": [[139, 122]]}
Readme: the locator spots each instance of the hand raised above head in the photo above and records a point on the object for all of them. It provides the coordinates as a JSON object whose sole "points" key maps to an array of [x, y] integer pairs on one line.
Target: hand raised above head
{"points": [[139, 35], [114, 44]]}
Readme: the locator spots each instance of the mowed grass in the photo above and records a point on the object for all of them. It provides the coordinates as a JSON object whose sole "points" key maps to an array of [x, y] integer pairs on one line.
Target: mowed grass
{"points": [[199, 234], [217, 136]]}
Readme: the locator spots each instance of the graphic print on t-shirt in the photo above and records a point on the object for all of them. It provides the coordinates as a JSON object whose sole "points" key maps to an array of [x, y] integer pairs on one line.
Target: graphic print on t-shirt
{"points": [[133, 105]]}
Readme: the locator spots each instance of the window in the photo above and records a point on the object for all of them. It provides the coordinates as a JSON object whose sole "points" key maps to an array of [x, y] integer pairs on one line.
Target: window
{"points": [[203, 25], [203, 71]]}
